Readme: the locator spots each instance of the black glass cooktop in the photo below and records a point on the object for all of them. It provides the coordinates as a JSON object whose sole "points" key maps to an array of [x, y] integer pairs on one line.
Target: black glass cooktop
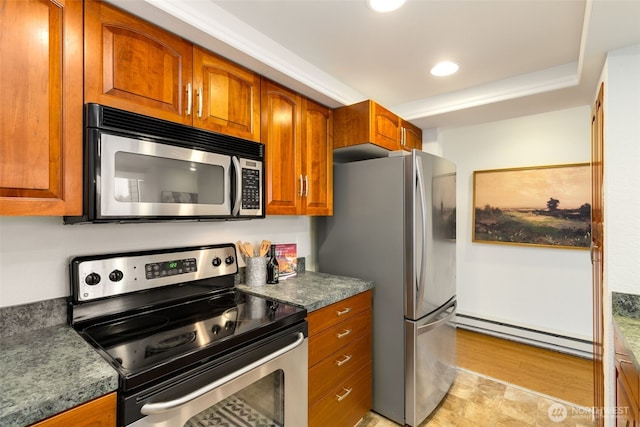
{"points": [[147, 345]]}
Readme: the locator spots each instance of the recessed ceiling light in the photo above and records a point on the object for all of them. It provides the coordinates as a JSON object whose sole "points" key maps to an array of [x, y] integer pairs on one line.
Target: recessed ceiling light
{"points": [[445, 68], [385, 5]]}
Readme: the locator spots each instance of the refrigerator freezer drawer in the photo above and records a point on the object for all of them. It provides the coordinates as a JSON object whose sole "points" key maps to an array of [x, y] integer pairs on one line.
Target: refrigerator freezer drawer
{"points": [[430, 365]]}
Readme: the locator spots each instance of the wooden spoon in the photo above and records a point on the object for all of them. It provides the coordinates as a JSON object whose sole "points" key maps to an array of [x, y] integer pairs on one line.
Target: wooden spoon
{"points": [[248, 248], [265, 245], [241, 248]]}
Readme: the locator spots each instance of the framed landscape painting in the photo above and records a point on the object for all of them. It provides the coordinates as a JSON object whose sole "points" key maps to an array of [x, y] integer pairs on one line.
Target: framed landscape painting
{"points": [[542, 206]]}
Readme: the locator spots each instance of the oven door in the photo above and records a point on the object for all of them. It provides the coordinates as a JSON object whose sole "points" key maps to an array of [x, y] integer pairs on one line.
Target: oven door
{"points": [[270, 390], [137, 178]]}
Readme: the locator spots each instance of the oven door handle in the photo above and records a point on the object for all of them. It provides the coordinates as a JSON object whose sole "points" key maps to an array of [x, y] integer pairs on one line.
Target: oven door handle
{"points": [[161, 407]]}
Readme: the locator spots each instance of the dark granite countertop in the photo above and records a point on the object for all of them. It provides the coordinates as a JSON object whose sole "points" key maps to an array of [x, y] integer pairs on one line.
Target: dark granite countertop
{"points": [[626, 314], [311, 290], [47, 371], [67, 371]]}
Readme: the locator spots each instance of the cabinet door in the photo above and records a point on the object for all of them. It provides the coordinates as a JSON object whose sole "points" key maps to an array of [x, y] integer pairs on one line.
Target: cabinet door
{"points": [[226, 96], [597, 249], [412, 136], [135, 66], [385, 128], [41, 114], [280, 110], [317, 155]]}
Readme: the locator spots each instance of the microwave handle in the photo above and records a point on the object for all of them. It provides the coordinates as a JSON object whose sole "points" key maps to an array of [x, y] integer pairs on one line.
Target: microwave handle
{"points": [[238, 195]]}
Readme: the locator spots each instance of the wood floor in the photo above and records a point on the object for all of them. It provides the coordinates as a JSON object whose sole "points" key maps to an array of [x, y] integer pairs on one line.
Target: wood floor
{"points": [[559, 375]]}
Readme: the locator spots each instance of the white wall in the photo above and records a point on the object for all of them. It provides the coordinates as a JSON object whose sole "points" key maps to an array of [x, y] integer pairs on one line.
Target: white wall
{"points": [[621, 76], [546, 289], [34, 251], [622, 173]]}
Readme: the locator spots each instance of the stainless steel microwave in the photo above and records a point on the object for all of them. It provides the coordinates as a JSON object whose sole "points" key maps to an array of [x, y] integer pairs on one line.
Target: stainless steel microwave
{"points": [[138, 168]]}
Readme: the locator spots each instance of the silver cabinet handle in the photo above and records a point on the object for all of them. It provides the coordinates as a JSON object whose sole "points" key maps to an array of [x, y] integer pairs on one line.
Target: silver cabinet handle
{"points": [[161, 407], [345, 311], [346, 393], [345, 360], [189, 99], [200, 102], [344, 334]]}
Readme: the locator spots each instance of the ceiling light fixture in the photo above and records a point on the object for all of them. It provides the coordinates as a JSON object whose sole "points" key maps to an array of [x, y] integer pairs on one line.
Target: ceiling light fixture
{"points": [[385, 5], [445, 68]]}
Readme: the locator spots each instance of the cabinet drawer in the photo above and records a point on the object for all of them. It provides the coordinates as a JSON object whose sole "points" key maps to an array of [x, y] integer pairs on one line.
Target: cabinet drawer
{"points": [[629, 375], [338, 367], [629, 410], [336, 313], [100, 412], [343, 334], [345, 404]]}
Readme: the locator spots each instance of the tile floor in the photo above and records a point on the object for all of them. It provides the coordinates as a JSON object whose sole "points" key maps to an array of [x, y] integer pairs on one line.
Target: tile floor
{"points": [[479, 401]]}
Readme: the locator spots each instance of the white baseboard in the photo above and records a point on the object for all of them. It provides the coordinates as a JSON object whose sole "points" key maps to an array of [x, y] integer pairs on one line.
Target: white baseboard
{"points": [[561, 343]]}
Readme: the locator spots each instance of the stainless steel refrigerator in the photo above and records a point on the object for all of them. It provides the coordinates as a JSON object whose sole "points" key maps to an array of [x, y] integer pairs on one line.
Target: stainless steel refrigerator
{"points": [[394, 223]]}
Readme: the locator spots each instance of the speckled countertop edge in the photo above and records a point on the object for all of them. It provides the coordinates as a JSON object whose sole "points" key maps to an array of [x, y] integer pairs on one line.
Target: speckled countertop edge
{"points": [[48, 371], [626, 315], [311, 290]]}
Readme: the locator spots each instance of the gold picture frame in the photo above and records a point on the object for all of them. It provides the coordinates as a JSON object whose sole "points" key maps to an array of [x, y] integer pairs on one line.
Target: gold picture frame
{"points": [[547, 206]]}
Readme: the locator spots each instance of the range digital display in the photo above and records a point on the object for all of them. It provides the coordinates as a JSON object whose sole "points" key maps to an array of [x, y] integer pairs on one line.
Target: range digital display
{"points": [[170, 268]]}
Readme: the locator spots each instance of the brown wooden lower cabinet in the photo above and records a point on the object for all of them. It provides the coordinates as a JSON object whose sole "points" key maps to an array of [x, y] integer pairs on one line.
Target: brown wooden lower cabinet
{"points": [[340, 362], [100, 412], [346, 403], [627, 385]]}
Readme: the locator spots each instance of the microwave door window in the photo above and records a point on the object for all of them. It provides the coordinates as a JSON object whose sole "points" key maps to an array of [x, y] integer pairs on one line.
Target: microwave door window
{"points": [[139, 183]]}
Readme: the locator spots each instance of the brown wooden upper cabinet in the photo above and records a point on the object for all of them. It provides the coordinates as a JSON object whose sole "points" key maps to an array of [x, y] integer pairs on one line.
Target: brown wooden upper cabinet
{"points": [[369, 122], [41, 114], [297, 134], [136, 66]]}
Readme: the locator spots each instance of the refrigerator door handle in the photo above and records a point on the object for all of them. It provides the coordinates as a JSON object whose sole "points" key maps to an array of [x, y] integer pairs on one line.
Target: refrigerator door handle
{"points": [[423, 237], [429, 326]]}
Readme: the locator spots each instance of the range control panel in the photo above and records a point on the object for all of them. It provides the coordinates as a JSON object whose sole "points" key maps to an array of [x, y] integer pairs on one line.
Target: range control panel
{"points": [[101, 276]]}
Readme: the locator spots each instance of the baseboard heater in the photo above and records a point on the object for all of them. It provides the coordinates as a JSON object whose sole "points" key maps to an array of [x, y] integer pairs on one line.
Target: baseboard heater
{"points": [[561, 343]]}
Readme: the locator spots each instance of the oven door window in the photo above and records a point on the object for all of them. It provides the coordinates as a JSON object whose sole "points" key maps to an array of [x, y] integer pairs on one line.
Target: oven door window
{"points": [[260, 404], [145, 178]]}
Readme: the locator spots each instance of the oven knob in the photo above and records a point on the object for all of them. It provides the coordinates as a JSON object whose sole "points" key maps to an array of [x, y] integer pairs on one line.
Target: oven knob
{"points": [[229, 260], [92, 279], [216, 329], [216, 262], [116, 275]]}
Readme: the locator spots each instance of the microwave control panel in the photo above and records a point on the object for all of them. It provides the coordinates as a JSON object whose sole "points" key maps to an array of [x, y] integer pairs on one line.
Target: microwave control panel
{"points": [[250, 188]]}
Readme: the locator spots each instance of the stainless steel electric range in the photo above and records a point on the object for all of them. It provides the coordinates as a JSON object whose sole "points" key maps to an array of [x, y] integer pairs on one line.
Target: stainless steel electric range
{"points": [[189, 348]]}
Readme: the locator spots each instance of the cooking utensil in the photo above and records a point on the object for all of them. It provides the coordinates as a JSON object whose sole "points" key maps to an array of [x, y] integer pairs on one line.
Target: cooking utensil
{"points": [[265, 245], [248, 248], [242, 249]]}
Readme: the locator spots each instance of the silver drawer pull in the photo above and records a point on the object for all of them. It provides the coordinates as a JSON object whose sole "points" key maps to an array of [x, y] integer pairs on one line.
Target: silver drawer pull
{"points": [[345, 360], [345, 311], [344, 334], [347, 393]]}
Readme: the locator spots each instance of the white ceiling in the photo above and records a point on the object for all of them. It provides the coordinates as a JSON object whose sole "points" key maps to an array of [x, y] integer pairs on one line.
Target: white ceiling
{"points": [[517, 57]]}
